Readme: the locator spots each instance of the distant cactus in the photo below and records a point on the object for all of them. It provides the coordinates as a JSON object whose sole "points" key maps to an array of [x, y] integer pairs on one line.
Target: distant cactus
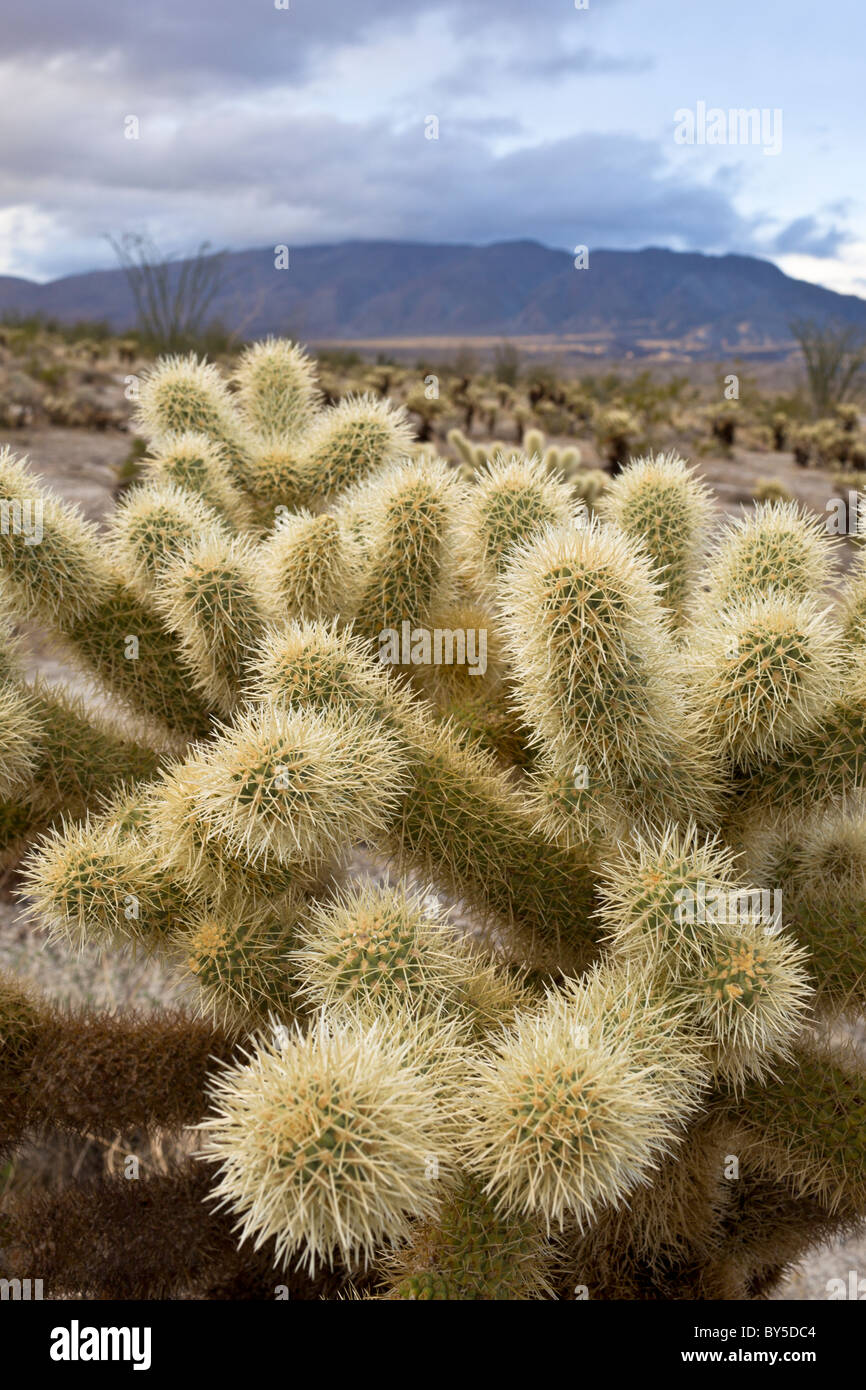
{"points": [[495, 959]]}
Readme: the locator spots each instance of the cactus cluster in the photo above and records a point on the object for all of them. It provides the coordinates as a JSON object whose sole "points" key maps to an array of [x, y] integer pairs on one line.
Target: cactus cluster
{"points": [[491, 964]]}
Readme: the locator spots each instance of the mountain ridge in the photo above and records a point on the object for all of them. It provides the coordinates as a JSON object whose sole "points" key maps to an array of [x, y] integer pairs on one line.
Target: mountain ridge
{"points": [[635, 301]]}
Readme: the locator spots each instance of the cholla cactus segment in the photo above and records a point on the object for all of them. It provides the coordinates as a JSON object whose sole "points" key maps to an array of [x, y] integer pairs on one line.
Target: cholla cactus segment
{"points": [[151, 526], [10, 644], [204, 862], [92, 883], [198, 464], [471, 1252], [51, 564], [486, 849], [183, 394], [777, 546], [593, 662], [309, 567], [631, 1005], [765, 673], [235, 959], [659, 501], [297, 786], [211, 597], [751, 994], [563, 1125], [276, 479], [409, 569], [513, 497], [462, 804], [662, 895], [330, 1144], [349, 442], [126, 645], [804, 1124], [830, 763], [277, 388], [372, 946], [820, 863], [852, 604], [82, 754], [20, 739], [321, 664]]}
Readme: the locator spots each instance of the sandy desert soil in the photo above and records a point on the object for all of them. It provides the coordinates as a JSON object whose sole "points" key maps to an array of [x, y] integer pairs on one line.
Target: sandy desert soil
{"points": [[81, 466]]}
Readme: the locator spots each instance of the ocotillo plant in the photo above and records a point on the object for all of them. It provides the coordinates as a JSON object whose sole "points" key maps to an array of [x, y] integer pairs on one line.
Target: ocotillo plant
{"points": [[513, 859]]}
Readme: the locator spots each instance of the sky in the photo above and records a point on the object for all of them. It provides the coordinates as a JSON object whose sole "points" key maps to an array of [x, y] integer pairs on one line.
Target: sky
{"points": [[295, 122]]}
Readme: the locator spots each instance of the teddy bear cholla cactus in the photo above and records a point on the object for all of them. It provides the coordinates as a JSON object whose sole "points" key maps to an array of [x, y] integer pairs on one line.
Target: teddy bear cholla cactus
{"points": [[540, 1092]]}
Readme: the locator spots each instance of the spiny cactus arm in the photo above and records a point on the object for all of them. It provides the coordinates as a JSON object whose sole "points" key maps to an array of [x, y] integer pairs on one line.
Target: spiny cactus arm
{"points": [[210, 596], [805, 1126], [513, 497], [276, 480], [157, 1239], [829, 764], [562, 1125], [350, 441], [764, 674], [66, 582], [767, 1230], [751, 994], [183, 394], [20, 735], [776, 546], [492, 724], [199, 465], [852, 602], [126, 645], [93, 1072], [658, 501], [674, 1220], [277, 389], [154, 523], [71, 755], [371, 948], [411, 513], [470, 1252], [596, 673], [297, 786], [328, 1145], [464, 446], [96, 882], [233, 956], [82, 753], [309, 567], [20, 821], [52, 566], [462, 824], [202, 861]]}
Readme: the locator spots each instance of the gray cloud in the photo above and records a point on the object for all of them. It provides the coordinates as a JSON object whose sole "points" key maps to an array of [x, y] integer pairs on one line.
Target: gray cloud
{"points": [[241, 177], [806, 236], [191, 41]]}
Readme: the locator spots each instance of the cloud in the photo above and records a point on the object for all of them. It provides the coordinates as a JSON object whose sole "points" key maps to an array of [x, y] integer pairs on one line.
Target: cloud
{"points": [[186, 44], [804, 236], [582, 62], [241, 176]]}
